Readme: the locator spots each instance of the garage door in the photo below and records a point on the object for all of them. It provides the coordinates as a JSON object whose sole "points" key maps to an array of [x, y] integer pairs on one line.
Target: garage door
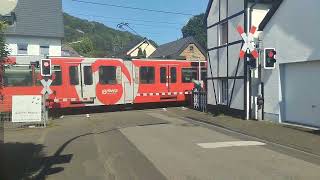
{"points": [[300, 84]]}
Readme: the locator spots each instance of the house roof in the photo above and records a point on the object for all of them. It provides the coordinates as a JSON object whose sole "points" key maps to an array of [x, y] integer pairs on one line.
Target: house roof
{"points": [[275, 5], [132, 45], [175, 48], [38, 18]]}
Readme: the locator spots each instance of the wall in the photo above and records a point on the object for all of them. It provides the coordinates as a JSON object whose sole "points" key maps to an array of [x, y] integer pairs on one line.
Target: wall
{"points": [[34, 44], [193, 55], [145, 46], [295, 35], [224, 60]]}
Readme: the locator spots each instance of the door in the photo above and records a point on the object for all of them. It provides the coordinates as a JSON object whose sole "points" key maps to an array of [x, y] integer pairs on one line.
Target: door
{"points": [[300, 86], [88, 87], [168, 78]]}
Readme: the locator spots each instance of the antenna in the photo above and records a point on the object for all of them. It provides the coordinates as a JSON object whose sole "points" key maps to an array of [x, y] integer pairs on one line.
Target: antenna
{"points": [[7, 6]]}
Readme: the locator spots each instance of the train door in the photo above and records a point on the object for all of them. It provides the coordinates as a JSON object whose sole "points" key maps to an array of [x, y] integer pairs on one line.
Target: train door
{"points": [[168, 78], [88, 87], [128, 84], [81, 76]]}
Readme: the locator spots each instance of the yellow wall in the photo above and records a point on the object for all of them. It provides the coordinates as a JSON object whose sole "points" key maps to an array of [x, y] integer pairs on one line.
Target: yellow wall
{"points": [[145, 46], [193, 55]]}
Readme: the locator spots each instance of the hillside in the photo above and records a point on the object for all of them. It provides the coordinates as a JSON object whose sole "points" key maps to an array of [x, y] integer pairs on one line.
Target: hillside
{"points": [[95, 39]]}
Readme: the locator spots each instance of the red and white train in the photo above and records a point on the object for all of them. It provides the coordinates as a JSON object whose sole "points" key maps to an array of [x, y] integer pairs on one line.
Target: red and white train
{"points": [[80, 82]]}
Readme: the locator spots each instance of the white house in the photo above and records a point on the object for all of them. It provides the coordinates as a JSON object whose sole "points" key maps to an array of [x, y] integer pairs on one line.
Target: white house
{"points": [[37, 29], [289, 90]]}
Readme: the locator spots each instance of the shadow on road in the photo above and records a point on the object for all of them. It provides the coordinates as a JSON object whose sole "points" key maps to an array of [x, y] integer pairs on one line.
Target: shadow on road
{"points": [[55, 113], [26, 160]]}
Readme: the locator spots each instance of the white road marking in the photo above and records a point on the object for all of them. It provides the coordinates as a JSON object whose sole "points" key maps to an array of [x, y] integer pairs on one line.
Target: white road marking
{"points": [[230, 144]]}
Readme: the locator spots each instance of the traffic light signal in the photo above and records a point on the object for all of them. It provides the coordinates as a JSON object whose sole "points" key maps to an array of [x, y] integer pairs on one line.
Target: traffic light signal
{"points": [[45, 67], [270, 58]]}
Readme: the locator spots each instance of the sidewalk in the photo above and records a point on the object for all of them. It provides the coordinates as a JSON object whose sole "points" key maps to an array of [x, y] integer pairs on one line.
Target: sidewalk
{"points": [[298, 138]]}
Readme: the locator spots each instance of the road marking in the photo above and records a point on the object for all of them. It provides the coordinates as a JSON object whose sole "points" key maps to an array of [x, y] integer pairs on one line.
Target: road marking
{"points": [[230, 144]]}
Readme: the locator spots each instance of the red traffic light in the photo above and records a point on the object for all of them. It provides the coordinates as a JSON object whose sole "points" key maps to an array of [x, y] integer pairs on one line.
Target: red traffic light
{"points": [[271, 54], [46, 64]]}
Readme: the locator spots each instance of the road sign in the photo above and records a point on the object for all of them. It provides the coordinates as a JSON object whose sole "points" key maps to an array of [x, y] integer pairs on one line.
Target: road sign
{"points": [[45, 67], [7, 6], [249, 45], [46, 86]]}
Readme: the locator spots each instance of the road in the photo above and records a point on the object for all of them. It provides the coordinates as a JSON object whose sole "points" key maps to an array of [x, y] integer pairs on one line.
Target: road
{"points": [[148, 144]]}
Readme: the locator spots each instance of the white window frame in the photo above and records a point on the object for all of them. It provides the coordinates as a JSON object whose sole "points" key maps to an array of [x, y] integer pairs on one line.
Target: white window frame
{"points": [[223, 32], [223, 98]]}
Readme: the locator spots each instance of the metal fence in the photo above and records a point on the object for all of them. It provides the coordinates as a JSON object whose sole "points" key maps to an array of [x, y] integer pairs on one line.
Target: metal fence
{"points": [[199, 100]]}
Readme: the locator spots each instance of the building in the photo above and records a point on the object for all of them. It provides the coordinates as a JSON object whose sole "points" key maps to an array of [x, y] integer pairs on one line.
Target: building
{"points": [[290, 90], [37, 29], [145, 46], [184, 49], [68, 51]]}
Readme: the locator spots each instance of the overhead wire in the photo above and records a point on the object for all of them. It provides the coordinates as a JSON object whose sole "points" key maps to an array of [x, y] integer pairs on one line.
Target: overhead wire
{"points": [[133, 8]]}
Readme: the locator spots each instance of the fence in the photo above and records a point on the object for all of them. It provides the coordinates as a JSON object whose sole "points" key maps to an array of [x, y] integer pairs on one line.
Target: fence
{"points": [[199, 98]]}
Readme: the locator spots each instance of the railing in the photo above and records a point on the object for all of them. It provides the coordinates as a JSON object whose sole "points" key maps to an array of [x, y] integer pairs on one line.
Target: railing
{"points": [[199, 98]]}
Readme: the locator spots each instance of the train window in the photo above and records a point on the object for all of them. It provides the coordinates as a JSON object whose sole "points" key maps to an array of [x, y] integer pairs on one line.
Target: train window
{"points": [[56, 76], [173, 74], [18, 76], [108, 75], [74, 75], [147, 75], [87, 75], [188, 75], [163, 75]]}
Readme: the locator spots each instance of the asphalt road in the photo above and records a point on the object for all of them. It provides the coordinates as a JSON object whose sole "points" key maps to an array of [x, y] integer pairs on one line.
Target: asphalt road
{"points": [[147, 144]]}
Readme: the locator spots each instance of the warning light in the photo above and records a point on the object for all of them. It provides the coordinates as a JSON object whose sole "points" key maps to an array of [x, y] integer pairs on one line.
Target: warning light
{"points": [[45, 67]]}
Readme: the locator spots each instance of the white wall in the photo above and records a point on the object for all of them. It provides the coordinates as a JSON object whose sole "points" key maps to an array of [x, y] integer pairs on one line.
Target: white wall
{"points": [[34, 44], [295, 35]]}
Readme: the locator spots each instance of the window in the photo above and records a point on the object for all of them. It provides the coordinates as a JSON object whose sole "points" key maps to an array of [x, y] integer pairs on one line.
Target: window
{"points": [[191, 48], [224, 33], [203, 74], [108, 75], [74, 75], [163, 75], [44, 50], [189, 74], [18, 76], [173, 74], [224, 92], [87, 73], [146, 75], [22, 49]]}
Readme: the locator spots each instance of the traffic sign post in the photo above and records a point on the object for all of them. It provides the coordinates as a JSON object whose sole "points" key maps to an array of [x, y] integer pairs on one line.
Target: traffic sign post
{"points": [[46, 91]]}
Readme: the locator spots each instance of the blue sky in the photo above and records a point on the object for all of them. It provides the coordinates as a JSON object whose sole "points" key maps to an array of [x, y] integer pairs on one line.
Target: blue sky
{"points": [[159, 32]]}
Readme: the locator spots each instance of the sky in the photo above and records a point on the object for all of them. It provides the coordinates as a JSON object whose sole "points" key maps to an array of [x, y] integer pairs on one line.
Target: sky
{"points": [[160, 27]]}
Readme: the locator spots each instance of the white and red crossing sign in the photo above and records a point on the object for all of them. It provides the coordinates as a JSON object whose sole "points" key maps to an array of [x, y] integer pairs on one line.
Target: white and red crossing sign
{"points": [[46, 86], [249, 45]]}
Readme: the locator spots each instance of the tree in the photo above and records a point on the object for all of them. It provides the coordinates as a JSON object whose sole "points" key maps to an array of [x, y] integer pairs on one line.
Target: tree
{"points": [[196, 27], [84, 47], [3, 47]]}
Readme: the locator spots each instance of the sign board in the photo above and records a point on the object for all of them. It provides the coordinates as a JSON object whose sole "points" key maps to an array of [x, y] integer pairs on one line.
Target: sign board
{"points": [[26, 108], [46, 86], [7, 6], [249, 44]]}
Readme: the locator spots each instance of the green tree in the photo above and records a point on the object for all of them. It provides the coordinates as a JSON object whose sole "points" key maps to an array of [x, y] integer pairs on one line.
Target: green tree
{"points": [[196, 27], [3, 47], [84, 47]]}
